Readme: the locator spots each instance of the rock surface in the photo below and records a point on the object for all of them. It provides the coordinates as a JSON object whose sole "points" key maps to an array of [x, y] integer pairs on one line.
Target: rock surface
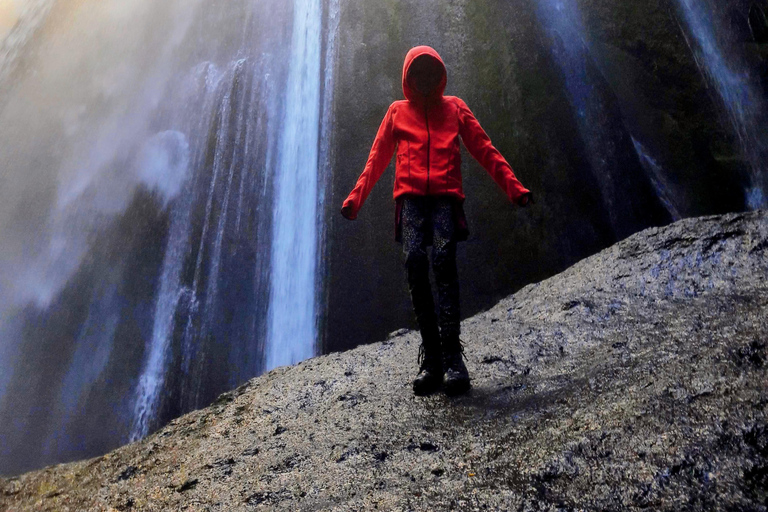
{"points": [[635, 379]]}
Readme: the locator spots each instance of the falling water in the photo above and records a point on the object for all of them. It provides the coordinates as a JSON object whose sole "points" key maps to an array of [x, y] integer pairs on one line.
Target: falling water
{"points": [[326, 132], [291, 328], [171, 201], [189, 302], [562, 20], [658, 179], [25, 26], [626, 191], [153, 374], [736, 85]]}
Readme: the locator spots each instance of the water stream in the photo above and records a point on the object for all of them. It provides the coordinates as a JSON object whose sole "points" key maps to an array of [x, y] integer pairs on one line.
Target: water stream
{"points": [[26, 22], [292, 322], [720, 56], [625, 187]]}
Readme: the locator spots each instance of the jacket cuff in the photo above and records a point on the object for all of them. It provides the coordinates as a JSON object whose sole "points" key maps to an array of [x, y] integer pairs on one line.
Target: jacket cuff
{"points": [[348, 210], [517, 194]]}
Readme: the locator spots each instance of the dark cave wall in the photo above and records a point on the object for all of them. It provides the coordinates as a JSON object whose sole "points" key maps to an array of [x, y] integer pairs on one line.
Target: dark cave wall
{"points": [[500, 62]]}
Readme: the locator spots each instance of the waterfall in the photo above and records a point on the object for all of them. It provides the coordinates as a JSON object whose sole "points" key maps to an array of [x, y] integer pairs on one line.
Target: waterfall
{"points": [[627, 194], [152, 377], [738, 88], [326, 137], [172, 291], [292, 322], [562, 21], [171, 201], [188, 301], [235, 143]]}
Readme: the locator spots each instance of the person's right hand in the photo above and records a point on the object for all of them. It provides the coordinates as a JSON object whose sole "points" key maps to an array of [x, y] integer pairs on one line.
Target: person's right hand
{"points": [[346, 211]]}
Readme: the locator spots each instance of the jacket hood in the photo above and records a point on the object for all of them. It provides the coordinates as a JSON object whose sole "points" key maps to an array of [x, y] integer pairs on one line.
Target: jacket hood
{"points": [[411, 94]]}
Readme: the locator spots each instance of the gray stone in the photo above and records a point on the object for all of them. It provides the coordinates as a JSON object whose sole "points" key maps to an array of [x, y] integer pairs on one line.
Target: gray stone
{"points": [[634, 380]]}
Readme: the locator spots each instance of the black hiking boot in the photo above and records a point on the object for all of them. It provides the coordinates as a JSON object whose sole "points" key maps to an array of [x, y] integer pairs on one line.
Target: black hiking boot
{"points": [[430, 375], [456, 378]]}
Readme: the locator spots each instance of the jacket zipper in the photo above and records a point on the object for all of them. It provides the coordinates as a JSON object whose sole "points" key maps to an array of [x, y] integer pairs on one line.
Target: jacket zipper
{"points": [[429, 141], [409, 165]]}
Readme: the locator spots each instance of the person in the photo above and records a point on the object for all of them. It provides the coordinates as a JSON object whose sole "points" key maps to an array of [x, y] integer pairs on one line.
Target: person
{"points": [[424, 130]]}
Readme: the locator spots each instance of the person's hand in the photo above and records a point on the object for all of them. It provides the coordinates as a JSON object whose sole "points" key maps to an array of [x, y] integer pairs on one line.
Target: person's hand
{"points": [[526, 199], [346, 211]]}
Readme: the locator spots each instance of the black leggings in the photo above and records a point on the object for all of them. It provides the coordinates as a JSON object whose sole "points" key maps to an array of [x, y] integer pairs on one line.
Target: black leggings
{"points": [[425, 221]]}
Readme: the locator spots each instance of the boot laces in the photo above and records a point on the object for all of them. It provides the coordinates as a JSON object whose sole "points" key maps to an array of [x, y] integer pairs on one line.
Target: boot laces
{"points": [[461, 349], [426, 359], [455, 353], [457, 348]]}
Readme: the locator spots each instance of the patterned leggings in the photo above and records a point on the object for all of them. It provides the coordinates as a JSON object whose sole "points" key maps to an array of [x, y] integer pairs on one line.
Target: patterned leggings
{"points": [[425, 221]]}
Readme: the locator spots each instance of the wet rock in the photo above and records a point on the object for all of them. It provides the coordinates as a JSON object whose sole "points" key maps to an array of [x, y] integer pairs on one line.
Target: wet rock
{"points": [[427, 447], [648, 391], [127, 473], [250, 452], [189, 484], [397, 333]]}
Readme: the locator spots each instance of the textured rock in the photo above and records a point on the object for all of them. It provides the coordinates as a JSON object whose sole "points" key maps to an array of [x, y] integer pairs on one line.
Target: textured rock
{"points": [[635, 379]]}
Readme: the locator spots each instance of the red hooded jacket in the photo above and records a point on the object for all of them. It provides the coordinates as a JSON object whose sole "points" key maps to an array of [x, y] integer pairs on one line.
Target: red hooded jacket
{"points": [[425, 133]]}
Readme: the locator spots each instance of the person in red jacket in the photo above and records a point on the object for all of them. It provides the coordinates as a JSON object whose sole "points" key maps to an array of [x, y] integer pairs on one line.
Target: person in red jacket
{"points": [[424, 130]]}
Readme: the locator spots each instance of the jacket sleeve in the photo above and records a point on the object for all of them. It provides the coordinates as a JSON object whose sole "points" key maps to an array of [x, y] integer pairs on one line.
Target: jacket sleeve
{"points": [[381, 154], [479, 145]]}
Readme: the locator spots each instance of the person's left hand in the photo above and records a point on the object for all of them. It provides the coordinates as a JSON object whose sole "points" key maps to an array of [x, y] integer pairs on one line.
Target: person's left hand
{"points": [[346, 211], [526, 199]]}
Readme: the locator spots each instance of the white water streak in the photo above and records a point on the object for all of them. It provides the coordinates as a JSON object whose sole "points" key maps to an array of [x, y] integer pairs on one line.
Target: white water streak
{"points": [[171, 291], [153, 374], [292, 324], [658, 178], [735, 85], [29, 21], [331, 50]]}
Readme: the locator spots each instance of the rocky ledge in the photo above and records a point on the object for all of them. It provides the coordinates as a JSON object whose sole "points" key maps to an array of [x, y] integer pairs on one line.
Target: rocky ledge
{"points": [[637, 379]]}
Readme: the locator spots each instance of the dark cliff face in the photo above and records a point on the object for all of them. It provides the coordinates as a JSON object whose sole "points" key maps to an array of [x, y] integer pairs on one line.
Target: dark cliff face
{"points": [[633, 380], [64, 343], [645, 94]]}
